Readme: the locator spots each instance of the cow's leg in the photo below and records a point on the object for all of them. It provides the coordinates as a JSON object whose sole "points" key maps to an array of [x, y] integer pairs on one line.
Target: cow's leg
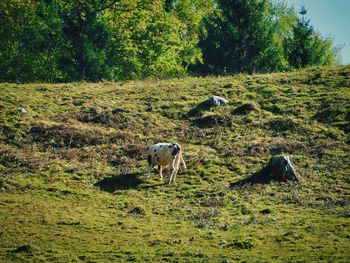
{"points": [[174, 174], [149, 159], [149, 171], [171, 174], [160, 172]]}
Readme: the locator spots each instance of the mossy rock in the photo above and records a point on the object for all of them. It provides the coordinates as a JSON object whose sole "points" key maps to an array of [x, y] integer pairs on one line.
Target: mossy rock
{"points": [[279, 168], [211, 102]]}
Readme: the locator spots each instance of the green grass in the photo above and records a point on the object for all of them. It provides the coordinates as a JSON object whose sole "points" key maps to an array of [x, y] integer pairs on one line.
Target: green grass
{"points": [[73, 170]]}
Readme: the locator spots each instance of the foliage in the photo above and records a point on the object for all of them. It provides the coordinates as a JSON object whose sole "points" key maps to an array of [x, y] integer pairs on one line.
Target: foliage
{"points": [[88, 45], [146, 42], [258, 36], [78, 40], [241, 37], [31, 41], [65, 41], [305, 47]]}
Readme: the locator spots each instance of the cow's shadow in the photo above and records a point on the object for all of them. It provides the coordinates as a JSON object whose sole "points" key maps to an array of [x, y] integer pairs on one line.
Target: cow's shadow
{"points": [[120, 182]]}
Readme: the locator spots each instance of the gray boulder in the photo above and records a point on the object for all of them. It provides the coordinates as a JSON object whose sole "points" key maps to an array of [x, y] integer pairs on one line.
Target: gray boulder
{"points": [[22, 110], [279, 168], [212, 101]]}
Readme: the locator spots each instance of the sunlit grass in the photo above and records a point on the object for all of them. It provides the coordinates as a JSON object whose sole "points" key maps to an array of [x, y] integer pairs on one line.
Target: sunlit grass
{"points": [[73, 184]]}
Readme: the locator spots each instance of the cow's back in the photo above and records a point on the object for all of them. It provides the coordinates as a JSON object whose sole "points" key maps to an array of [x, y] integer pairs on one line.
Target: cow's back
{"points": [[160, 153]]}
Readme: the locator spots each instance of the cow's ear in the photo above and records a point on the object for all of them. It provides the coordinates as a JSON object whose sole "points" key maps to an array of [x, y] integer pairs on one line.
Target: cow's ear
{"points": [[171, 145]]}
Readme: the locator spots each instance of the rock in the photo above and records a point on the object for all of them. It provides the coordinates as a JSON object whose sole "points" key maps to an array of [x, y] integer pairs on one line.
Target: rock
{"points": [[223, 242], [22, 110], [279, 168], [212, 101], [217, 101]]}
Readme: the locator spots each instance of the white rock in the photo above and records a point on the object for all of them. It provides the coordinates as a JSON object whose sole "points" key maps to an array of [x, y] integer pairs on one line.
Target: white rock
{"points": [[22, 110], [217, 101]]}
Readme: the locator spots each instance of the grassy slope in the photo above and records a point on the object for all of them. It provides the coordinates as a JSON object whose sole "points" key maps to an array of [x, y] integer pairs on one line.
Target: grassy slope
{"points": [[74, 170]]}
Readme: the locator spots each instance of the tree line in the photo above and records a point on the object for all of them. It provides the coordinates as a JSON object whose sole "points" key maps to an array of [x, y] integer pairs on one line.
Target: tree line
{"points": [[93, 40]]}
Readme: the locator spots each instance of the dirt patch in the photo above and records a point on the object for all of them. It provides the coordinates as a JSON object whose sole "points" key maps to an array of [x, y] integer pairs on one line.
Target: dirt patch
{"points": [[213, 121], [241, 244], [126, 157], [115, 118], [28, 249], [134, 151], [65, 136], [13, 135], [11, 158], [291, 147], [284, 124], [332, 112], [244, 109], [137, 211]]}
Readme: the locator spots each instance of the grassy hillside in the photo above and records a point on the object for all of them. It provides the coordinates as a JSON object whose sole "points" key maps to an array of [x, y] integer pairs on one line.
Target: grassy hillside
{"points": [[73, 168]]}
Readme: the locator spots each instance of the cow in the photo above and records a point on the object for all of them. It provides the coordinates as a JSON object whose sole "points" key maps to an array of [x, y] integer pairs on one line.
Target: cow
{"points": [[165, 155]]}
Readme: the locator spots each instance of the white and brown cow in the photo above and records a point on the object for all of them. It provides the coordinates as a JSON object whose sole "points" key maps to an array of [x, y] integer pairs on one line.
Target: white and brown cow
{"points": [[165, 155]]}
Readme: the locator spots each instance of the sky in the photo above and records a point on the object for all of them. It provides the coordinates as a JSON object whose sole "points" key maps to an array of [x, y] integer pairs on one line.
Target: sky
{"points": [[331, 18]]}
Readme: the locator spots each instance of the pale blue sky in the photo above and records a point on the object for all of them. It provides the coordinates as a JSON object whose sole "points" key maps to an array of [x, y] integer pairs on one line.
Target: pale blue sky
{"points": [[331, 18]]}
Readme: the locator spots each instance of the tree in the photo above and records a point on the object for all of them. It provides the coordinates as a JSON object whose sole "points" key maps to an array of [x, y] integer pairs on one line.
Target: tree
{"points": [[155, 38], [31, 40], [87, 47], [240, 36], [190, 14], [305, 47]]}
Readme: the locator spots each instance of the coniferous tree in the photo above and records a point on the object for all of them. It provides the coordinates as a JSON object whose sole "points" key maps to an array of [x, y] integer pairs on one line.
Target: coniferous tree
{"points": [[305, 47], [239, 37]]}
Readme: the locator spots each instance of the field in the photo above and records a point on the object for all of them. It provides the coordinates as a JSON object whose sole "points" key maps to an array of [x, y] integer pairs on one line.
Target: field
{"points": [[73, 168]]}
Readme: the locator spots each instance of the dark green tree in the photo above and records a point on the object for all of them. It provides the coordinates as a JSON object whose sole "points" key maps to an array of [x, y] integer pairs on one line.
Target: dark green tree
{"points": [[240, 36], [89, 45], [305, 47], [87, 48], [31, 41]]}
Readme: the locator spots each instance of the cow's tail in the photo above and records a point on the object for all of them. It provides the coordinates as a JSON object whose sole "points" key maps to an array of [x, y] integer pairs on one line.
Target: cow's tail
{"points": [[177, 162], [179, 159], [182, 160]]}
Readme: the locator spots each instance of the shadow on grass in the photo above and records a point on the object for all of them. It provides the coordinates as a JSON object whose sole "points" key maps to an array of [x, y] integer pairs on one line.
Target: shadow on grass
{"points": [[278, 169], [120, 182]]}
